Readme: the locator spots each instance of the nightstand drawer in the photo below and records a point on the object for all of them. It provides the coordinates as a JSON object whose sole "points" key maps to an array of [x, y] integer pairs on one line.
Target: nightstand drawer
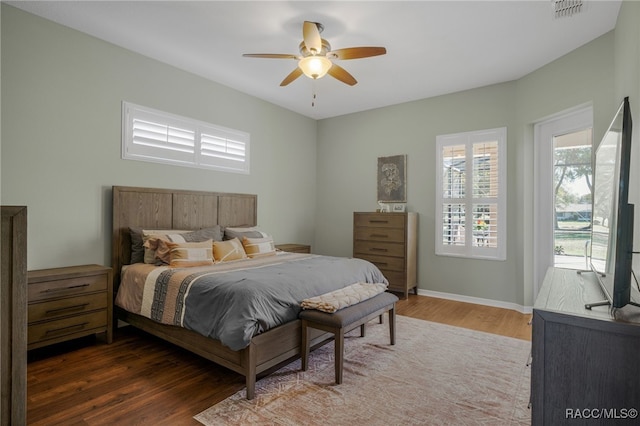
{"points": [[378, 248], [377, 220], [67, 306], [79, 325], [67, 287]]}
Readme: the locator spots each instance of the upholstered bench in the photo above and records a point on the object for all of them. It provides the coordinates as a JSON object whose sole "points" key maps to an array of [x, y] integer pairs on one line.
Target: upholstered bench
{"points": [[344, 320]]}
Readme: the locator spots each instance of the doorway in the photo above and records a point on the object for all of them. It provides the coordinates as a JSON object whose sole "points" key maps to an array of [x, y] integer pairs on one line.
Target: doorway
{"points": [[572, 185], [562, 198]]}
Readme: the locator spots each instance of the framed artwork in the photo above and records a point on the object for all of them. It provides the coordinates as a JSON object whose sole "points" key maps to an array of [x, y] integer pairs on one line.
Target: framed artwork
{"points": [[392, 179]]}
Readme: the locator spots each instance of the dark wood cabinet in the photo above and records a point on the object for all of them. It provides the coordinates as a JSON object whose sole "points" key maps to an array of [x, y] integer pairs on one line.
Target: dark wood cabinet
{"points": [[13, 316], [70, 302], [389, 241], [585, 364]]}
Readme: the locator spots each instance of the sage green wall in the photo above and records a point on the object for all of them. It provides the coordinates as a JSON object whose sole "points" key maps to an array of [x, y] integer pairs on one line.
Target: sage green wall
{"points": [[61, 114], [582, 77], [348, 148], [0, 106]]}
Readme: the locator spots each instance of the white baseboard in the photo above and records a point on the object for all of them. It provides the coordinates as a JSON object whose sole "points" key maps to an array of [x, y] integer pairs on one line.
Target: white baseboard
{"points": [[477, 301]]}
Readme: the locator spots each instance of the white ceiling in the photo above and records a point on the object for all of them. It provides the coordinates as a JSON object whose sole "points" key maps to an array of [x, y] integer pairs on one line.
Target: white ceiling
{"points": [[433, 47]]}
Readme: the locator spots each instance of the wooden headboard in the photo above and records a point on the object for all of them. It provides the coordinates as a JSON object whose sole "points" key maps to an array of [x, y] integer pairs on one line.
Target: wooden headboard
{"points": [[154, 208]]}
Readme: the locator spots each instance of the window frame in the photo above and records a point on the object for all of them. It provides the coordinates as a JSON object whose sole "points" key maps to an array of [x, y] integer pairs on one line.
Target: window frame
{"points": [[233, 153], [467, 249]]}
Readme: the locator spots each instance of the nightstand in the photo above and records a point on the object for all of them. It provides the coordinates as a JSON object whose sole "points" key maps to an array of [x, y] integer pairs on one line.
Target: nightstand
{"points": [[294, 248], [70, 302]]}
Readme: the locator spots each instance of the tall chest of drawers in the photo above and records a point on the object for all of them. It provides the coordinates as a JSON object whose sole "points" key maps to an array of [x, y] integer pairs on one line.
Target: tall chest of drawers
{"points": [[70, 302], [389, 241]]}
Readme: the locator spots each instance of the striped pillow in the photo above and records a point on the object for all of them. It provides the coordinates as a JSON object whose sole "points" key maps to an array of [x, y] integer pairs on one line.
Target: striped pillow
{"points": [[155, 250], [186, 255], [224, 251], [244, 231], [259, 247]]}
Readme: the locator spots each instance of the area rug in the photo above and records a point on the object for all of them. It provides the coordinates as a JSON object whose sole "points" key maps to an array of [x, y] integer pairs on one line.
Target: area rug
{"points": [[435, 374]]}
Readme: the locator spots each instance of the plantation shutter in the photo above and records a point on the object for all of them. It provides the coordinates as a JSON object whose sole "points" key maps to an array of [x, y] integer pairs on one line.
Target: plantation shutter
{"points": [[471, 191], [151, 135]]}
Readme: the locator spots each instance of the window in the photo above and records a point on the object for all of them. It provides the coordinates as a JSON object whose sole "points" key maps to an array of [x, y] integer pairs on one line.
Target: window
{"points": [[156, 136], [471, 194]]}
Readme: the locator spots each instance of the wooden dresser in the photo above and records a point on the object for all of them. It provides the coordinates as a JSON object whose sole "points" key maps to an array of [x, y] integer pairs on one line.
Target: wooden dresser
{"points": [[67, 303], [389, 241]]}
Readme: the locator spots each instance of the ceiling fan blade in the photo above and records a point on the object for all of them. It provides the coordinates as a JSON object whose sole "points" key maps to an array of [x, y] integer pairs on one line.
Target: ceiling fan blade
{"points": [[311, 37], [336, 71], [270, 55], [292, 76], [356, 52]]}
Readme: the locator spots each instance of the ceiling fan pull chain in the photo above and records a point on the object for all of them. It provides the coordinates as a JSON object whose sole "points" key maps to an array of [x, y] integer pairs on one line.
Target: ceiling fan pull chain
{"points": [[313, 94]]}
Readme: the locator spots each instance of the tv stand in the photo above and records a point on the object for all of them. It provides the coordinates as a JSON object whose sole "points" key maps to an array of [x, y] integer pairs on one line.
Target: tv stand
{"points": [[603, 302], [581, 359], [594, 304], [582, 271]]}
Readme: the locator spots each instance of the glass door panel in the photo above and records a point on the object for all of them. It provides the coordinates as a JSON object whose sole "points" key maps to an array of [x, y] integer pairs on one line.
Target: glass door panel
{"points": [[572, 182]]}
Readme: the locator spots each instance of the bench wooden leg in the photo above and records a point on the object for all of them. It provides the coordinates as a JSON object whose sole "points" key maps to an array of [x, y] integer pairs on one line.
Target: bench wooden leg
{"points": [[305, 346], [337, 325], [339, 354], [392, 324]]}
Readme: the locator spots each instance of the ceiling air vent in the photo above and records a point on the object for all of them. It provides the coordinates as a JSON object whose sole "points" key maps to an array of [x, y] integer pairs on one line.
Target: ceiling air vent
{"points": [[567, 7]]}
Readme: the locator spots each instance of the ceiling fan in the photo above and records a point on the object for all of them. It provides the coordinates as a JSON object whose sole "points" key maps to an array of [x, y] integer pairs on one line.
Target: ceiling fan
{"points": [[316, 57]]}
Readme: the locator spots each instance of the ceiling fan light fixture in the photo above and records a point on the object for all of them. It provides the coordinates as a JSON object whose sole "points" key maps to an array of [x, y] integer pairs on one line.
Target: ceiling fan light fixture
{"points": [[315, 66]]}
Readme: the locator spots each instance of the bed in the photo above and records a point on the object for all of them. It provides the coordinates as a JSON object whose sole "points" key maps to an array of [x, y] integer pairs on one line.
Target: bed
{"points": [[249, 350]]}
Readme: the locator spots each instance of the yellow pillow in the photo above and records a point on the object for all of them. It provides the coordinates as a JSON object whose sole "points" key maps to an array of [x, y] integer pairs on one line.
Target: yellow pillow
{"points": [[259, 247], [186, 255], [224, 251]]}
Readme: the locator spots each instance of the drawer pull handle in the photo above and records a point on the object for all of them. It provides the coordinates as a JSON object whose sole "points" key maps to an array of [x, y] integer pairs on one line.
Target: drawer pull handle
{"points": [[377, 249], [68, 308], [66, 329], [50, 290], [380, 235], [378, 221]]}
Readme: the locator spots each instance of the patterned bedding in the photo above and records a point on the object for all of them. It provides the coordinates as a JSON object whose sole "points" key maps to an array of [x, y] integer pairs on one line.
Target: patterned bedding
{"points": [[234, 301]]}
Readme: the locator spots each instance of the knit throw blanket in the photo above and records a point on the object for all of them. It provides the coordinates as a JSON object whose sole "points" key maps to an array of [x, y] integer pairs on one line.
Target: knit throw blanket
{"points": [[347, 296]]}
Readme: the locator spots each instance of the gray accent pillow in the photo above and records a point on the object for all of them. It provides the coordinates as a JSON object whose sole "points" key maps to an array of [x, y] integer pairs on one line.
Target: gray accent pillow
{"points": [[137, 250], [243, 231]]}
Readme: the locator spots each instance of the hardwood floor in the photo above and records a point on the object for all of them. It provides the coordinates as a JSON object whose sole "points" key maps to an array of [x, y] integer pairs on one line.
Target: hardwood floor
{"points": [[505, 322], [141, 380]]}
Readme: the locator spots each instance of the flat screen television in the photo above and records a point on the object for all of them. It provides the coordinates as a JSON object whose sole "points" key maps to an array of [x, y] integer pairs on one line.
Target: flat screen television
{"points": [[612, 216]]}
